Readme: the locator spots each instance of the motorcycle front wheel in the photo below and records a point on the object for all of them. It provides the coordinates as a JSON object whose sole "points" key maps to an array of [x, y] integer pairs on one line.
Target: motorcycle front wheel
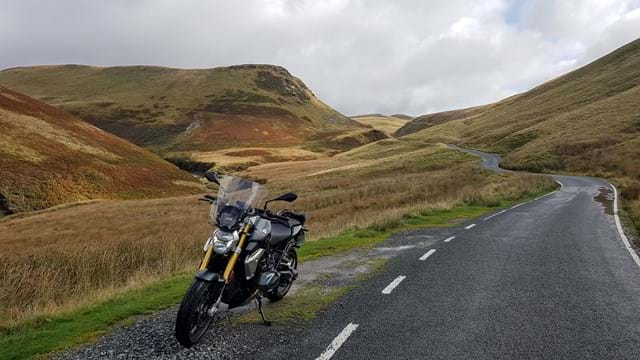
{"points": [[193, 318]]}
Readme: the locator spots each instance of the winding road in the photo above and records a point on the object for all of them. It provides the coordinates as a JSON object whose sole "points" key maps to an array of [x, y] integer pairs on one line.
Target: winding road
{"points": [[552, 278], [548, 279]]}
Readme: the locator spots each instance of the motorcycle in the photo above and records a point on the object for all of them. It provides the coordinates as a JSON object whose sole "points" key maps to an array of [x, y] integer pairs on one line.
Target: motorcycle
{"points": [[250, 255]]}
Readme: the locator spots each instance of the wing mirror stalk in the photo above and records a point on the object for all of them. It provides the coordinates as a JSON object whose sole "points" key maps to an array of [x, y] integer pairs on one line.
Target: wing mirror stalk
{"points": [[288, 197]]}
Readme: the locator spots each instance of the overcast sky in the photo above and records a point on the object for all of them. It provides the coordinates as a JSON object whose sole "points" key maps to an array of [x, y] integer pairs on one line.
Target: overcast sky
{"points": [[360, 56]]}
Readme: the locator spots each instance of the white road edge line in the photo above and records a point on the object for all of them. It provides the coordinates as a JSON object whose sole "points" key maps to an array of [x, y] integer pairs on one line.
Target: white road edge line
{"points": [[338, 341], [469, 226], [449, 239], [427, 254], [545, 195], [634, 256], [393, 284]]}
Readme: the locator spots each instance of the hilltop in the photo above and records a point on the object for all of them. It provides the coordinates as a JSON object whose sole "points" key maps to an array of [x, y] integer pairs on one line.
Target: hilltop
{"points": [[384, 123], [586, 121], [49, 157], [188, 110], [429, 120]]}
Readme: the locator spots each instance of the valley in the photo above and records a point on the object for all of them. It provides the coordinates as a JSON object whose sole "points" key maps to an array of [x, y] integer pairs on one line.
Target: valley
{"points": [[583, 122], [92, 211]]}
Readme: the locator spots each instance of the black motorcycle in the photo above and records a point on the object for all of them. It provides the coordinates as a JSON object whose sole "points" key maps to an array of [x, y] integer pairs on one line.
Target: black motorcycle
{"points": [[250, 255]]}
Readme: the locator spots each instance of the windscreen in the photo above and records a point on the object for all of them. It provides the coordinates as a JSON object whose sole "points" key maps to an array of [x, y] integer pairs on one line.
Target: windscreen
{"points": [[237, 192]]}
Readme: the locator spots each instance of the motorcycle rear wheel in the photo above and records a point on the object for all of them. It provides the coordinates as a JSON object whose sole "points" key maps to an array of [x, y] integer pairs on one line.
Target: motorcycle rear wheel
{"points": [[193, 318], [281, 291]]}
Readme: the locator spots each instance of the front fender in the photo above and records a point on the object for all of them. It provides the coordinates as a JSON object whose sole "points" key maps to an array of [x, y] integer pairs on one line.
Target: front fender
{"points": [[208, 276]]}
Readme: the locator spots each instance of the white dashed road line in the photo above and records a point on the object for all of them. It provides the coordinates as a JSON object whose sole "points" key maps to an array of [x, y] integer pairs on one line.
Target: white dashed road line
{"points": [[449, 239], [494, 215], [469, 226], [337, 342], [393, 285], [427, 254], [545, 195], [517, 205]]}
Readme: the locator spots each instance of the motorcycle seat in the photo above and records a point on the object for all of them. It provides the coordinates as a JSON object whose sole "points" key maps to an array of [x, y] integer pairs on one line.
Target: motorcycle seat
{"points": [[297, 216]]}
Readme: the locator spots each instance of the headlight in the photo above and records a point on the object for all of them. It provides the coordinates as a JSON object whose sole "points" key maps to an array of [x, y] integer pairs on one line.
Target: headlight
{"points": [[229, 217], [224, 241]]}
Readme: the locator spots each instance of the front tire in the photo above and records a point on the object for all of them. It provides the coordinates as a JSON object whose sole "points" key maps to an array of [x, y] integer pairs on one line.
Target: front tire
{"points": [[193, 318]]}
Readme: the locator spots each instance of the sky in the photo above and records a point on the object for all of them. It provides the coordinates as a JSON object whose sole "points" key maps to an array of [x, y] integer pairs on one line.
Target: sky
{"points": [[377, 56]]}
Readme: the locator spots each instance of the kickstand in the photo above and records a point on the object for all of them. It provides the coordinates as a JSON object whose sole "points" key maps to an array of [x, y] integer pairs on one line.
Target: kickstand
{"points": [[264, 320]]}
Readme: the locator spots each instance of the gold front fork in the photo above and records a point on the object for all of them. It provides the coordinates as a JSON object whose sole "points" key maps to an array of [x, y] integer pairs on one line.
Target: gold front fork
{"points": [[207, 257], [236, 254], [234, 257]]}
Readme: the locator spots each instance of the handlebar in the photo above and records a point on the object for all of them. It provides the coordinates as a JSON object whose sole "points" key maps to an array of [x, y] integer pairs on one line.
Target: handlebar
{"points": [[269, 214], [208, 198]]}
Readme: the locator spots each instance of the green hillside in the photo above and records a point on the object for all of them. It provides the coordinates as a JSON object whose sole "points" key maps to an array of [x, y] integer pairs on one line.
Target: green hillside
{"points": [[429, 120], [49, 157], [586, 121], [168, 109]]}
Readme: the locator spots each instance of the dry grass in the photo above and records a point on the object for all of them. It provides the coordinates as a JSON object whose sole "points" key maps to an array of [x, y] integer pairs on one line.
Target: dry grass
{"points": [[386, 180], [59, 258], [251, 156], [56, 258], [386, 124]]}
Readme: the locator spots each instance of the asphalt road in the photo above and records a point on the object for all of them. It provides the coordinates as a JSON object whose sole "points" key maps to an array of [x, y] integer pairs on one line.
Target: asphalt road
{"points": [[548, 279]]}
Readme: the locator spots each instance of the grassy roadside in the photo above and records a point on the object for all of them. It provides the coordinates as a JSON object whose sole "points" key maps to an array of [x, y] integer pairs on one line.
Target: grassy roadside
{"points": [[44, 335], [86, 324]]}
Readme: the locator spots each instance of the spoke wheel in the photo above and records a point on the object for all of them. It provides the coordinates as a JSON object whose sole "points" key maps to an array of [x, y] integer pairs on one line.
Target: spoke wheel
{"points": [[195, 315]]}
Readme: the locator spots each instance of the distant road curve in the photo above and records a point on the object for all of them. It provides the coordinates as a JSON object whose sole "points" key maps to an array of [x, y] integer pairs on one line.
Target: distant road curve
{"points": [[492, 162]]}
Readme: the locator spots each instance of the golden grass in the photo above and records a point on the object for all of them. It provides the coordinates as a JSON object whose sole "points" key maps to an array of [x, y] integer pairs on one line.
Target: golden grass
{"points": [[231, 157], [55, 258], [386, 124], [60, 258]]}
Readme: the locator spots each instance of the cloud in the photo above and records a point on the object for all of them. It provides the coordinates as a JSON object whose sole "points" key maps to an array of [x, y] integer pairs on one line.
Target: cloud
{"points": [[359, 56]]}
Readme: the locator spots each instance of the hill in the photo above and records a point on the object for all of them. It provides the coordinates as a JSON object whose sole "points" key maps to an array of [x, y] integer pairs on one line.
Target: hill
{"points": [[429, 120], [49, 157], [166, 109], [386, 124], [586, 121], [402, 116]]}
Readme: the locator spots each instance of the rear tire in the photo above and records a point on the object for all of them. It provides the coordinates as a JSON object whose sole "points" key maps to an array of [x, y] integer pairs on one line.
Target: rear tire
{"points": [[193, 318], [281, 291]]}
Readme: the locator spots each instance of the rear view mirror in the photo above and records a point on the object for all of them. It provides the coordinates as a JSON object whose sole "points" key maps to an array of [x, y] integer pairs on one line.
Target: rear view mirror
{"points": [[288, 197], [211, 176]]}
